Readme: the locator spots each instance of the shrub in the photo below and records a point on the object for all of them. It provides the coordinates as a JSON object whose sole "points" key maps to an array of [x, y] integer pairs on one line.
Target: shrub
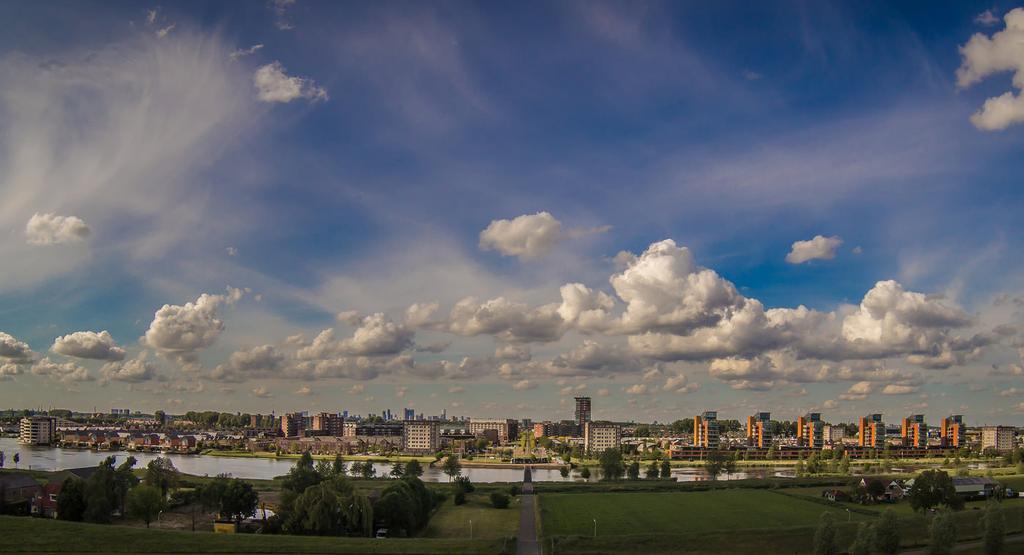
{"points": [[499, 500], [463, 484], [460, 497], [513, 490]]}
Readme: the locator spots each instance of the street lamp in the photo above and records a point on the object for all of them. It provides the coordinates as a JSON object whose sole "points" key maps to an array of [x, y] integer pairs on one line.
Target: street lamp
{"points": [[595, 527], [849, 515], [471, 529]]}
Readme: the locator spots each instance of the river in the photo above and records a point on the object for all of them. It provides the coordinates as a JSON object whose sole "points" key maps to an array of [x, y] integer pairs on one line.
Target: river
{"points": [[55, 458]]}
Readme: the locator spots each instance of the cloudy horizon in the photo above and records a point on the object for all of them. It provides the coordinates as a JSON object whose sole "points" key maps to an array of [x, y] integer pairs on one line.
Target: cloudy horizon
{"points": [[298, 205]]}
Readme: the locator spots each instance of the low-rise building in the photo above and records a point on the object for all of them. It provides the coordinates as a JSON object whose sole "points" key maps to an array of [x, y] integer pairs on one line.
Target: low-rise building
{"points": [[421, 436], [508, 429], [599, 436], [329, 424]]}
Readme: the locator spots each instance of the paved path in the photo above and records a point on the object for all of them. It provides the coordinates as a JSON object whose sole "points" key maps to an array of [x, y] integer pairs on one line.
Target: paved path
{"points": [[1011, 544], [527, 543]]}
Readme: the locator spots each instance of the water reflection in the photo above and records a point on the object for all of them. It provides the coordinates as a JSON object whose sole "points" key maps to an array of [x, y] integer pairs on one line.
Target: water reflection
{"points": [[51, 458]]}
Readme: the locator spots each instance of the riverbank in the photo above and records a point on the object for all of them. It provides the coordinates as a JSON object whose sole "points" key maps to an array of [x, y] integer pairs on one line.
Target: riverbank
{"points": [[293, 456]]}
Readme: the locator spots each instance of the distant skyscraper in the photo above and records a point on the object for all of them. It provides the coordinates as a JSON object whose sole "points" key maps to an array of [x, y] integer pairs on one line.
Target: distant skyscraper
{"points": [[582, 413], [410, 414]]}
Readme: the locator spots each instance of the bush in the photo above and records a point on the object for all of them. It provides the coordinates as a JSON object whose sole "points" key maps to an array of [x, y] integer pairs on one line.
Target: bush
{"points": [[460, 497], [499, 500], [463, 484], [513, 490]]}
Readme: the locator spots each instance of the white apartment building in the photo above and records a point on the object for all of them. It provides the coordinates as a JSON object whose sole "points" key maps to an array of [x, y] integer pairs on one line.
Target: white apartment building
{"points": [[420, 436], [38, 430], [598, 436], [999, 438]]}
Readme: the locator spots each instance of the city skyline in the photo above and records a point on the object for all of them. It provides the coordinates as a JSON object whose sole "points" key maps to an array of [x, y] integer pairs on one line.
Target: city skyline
{"points": [[303, 205]]}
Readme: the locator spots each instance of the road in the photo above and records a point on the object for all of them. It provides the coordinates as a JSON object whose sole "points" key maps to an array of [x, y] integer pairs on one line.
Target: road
{"points": [[527, 543]]}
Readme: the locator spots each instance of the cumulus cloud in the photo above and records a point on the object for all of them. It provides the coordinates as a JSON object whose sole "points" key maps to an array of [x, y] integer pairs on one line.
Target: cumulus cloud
{"points": [[261, 392], [983, 56], [376, 335], [66, 372], [274, 85], [507, 320], [51, 229], [986, 18], [524, 385], [530, 236], [818, 248], [592, 358], [263, 361], [13, 351], [136, 370], [678, 383], [88, 344], [180, 331], [304, 391], [281, 17]]}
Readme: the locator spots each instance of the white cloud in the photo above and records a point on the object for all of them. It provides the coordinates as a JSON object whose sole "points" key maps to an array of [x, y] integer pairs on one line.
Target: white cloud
{"points": [[280, 10], [376, 335], [986, 18], [818, 248], [243, 52], [858, 391], [164, 31], [135, 370], [13, 351], [264, 361], [524, 385], [180, 331], [637, 389], [261, 392], [896, 389], [519, 353], [678, 383], [232, 251], [51, 229], [456, 389], [88, 344], [304, 391], [983, 56], [509, 321], [829, 404], [66, 372], [274, 85], [530, 236]]}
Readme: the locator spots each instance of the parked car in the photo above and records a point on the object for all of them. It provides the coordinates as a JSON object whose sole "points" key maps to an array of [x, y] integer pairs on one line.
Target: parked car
{"points": [[382, 533]]}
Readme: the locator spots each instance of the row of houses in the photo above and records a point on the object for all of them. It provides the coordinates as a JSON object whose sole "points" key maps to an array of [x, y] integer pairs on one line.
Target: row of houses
{"points": [[105, 440], [23, 495]]}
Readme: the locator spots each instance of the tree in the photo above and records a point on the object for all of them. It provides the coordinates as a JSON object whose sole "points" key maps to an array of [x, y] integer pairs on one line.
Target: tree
{"points": [[160, 417], [302, 475], [100, 493], [995, 529], [933, 488], [160, 473], [943, 534], [666, 469], [17, 459], [452, 467], [239, 500], [714, 464], [414, 468], [338, 466], [825, 536], [499, 500], [367, 470], [146, 502], [71, 500], [463, 484], [633, 471], [563, 471], [652, 471], [887, 533], [124, 481], [1, 459], [844, 464], [864, 542], [611, 464], [585, 473], [772, 453], [397, 470]]}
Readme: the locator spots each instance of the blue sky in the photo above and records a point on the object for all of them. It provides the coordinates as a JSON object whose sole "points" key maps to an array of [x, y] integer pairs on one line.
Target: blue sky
{"points": [[323, 165]]}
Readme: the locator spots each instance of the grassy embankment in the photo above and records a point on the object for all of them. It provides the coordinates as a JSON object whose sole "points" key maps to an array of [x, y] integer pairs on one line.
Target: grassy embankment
{"points": [[452, 521], [31, 535], [727, 520]]}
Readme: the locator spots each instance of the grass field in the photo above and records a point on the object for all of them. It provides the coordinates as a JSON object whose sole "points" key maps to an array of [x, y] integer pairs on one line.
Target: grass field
{"points": [[676, 513], [452, 521], [30, 535]]}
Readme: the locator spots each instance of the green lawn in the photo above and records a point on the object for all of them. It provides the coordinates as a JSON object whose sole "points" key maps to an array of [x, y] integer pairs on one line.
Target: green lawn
{"points": [[676, 513], [452, 521], [31, 535]]}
